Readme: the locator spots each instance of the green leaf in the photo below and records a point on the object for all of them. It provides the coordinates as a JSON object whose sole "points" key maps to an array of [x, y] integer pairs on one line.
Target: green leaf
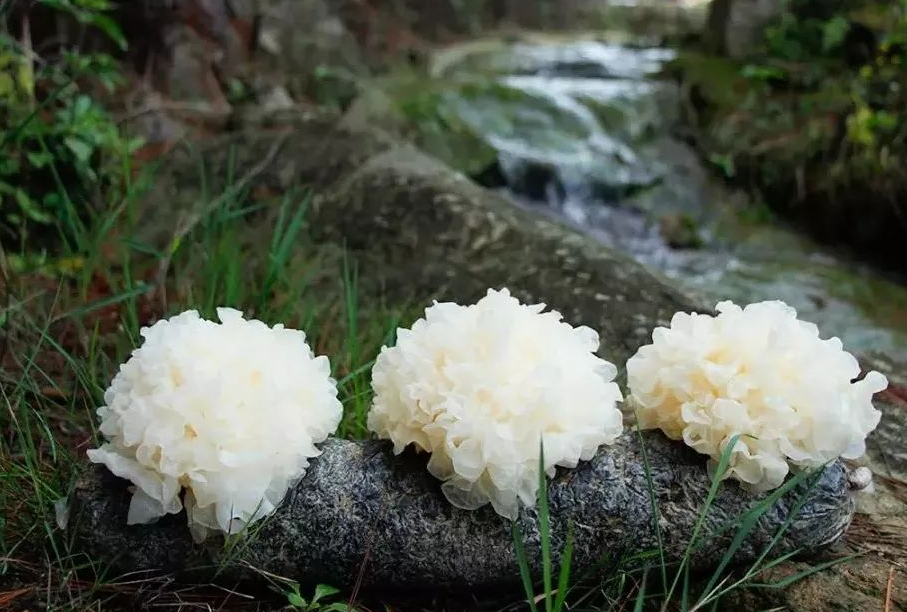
{"points": [[323, 72], [26, 78], [725, 163], [9, 166], [110, 27], [322, 591], [39, 159], [7, 86], [859, 126], [885, 121], [834, 32], [296, 600], [30, 209], [91, 12], [53, 201], [134, 144], [80, 149], [82, 106], [755, 72]]}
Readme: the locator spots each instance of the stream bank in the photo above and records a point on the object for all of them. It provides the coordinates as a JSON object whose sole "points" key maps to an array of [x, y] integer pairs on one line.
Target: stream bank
{"points": [[583, 128]]}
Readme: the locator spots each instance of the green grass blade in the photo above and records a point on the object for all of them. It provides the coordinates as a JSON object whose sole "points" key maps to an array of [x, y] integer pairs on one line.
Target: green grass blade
{"points": [[748, 522], [285, 236], [777, 561], [786, 582], [713, 491], [523, 562], [641, 594], [685, 592], [365, 367], [563, 582], [139, 289], [653, 503], [544, 529], [792, 513]]}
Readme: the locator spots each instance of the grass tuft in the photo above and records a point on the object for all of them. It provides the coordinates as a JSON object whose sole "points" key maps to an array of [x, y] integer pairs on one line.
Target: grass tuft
{"points": [[627, 583]]}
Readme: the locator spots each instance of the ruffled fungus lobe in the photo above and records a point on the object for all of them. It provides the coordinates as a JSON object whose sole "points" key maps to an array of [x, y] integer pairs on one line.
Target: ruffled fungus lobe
{"points": [[759, 372], [478, 387], [230, 412]]}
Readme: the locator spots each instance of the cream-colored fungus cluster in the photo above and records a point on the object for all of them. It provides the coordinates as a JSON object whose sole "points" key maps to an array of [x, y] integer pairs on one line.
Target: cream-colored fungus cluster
{"points": [[759, 372], [227, 414], [479, 386]]}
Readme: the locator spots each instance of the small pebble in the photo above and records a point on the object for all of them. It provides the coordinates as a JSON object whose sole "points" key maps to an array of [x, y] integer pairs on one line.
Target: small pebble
{"points": [[860, 479]]}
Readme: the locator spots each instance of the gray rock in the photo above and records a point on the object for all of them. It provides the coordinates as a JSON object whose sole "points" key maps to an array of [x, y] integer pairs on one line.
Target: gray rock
{"points": [[359, 504], [420, 231]]}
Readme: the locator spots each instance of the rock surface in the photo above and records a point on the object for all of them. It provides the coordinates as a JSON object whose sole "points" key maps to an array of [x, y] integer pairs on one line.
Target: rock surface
{"points": [[420, 231], [359, 504]]}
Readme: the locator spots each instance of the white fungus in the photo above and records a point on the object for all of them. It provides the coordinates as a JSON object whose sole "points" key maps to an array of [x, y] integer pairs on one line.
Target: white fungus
{"points": [[763, 374], [479, 386], [228, 413]]}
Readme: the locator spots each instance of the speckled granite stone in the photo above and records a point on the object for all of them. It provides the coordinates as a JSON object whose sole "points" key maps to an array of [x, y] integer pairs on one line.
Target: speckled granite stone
{"points": [[358, 500]]}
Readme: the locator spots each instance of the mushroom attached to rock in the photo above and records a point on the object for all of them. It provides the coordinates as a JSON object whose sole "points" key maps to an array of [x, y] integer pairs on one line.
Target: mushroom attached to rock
{"points": [[759, 372], [480, 386], [219, 418]]}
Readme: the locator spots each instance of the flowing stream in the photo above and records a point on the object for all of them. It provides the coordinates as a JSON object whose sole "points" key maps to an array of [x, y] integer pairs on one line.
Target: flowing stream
{"points": [[584, 131]]}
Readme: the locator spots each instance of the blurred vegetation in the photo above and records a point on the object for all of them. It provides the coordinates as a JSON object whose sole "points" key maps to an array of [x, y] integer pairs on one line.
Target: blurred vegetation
{"points": [[816, 120], [61, 149]]}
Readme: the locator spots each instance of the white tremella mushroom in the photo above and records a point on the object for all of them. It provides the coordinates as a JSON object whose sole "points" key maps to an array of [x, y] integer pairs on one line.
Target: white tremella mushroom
{"points": [[759, 372], [480, 386], [228, 413]]}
